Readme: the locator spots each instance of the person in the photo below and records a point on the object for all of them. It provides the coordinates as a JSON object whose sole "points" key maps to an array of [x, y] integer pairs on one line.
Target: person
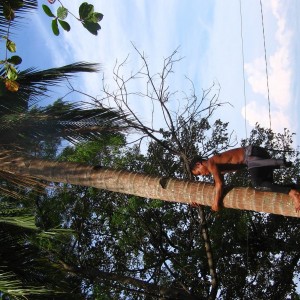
{"points": [[259, 164]]}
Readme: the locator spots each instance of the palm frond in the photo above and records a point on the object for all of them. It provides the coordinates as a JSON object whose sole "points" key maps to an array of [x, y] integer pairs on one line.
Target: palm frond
{"points": [[34, 85], [55, 75], [25, 266], [61, 120], [11, 286], [28, 6], [19, 181], [27, 222]]}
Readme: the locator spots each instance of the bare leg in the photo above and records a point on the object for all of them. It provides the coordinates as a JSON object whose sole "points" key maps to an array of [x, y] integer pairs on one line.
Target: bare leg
{"points": [[295, 195], [216, 206]]}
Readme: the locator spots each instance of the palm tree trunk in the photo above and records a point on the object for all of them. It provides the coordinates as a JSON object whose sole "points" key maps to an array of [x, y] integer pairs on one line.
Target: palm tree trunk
{"points": [[143, 185]]}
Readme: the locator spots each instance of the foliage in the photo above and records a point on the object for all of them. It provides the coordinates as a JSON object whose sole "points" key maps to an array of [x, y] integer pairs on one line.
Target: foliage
{"points": [[10, 75], [126, 247], [132, 248], [26, 268], [87, 16], [27, 250], [138, 239], [55, 123], [9, 71]]}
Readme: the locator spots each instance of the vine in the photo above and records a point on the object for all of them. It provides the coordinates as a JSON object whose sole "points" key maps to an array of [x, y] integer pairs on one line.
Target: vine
{"points": [[9, 73], [87, 16]]}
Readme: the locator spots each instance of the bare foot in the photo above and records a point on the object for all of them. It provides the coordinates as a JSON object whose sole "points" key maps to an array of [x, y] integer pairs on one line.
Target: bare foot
{"points": [[295, 195]]}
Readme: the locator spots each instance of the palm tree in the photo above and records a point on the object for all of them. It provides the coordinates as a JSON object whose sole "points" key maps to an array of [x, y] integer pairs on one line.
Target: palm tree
{"points": [[70, 121], [34, 85], [59, 121], [167, 189], [25, 127], [22, 7], [27, 269]]}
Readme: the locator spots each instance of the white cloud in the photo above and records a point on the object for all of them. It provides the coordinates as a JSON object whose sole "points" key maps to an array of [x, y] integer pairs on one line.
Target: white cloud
{"points": [[209, 38], [256, 71], [256, 112], [153, 27], [42, 24], [279, 71]]}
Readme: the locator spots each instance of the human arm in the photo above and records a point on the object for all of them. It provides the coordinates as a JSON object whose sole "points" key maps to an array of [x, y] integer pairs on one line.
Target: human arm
{"points": [[219, 183]]}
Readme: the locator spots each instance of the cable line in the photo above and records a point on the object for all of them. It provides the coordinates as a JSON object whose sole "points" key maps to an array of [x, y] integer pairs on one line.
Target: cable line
{"points": [[265, 50], [243, 58]]}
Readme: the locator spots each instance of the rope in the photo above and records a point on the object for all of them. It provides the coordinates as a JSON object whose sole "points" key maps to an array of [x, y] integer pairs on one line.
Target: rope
{"points": [[265, 50]]}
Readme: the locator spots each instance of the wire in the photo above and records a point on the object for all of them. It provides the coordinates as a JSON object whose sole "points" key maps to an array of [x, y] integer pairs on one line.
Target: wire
{"points": [[245, 103], [243, 58], [265, 50]]}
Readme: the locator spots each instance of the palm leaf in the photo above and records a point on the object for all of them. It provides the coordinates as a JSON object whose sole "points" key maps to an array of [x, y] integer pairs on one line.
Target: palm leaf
{"points": [[25, 268], [35, 84], [28, 6], [11, 286], [68, 121]]}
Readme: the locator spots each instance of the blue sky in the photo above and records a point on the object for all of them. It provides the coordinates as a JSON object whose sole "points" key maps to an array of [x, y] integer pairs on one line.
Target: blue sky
{"points": [[209, 36]]}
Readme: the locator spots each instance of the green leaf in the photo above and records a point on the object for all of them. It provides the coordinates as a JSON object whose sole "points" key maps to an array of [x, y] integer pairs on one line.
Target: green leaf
{"points": [[15, 60], [98, 16], [11, 46], [55, 27], [86, 10], [92, 27], [94, 17], [65, 25], [8, 12], [3, 89], [48, 11], [62, 12], [16, 4], [11, 72]]}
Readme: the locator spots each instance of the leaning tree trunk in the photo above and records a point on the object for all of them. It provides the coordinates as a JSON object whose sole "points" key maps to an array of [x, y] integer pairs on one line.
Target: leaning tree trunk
{"points": [[167, 189]]}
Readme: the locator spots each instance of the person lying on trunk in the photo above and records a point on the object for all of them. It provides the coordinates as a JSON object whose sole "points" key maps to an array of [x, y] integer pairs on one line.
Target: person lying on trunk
{"points": [[259, 164]]}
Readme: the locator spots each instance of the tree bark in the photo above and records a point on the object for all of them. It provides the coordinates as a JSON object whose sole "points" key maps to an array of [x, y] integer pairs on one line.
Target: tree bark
{"points": [[145, 287], [143, 185]]}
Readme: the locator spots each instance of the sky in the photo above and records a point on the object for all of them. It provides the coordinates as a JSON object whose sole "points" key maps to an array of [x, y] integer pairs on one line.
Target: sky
{"points": [[220, 41]]}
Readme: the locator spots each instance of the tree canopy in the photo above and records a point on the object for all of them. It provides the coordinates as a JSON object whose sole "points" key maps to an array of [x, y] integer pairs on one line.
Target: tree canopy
{"points": [[73, 241]]}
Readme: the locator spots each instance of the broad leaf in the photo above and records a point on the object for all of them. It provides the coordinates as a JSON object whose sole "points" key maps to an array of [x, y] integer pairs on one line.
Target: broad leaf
{"points": [[95, 17], [62, 12], [98, 16], [92, 27], [55, 27], [11, 72], [16, 4], [48, 11], [65, 25], [8, 12], [15, 60], [12, 85], [11, 46], [85, 10]]}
